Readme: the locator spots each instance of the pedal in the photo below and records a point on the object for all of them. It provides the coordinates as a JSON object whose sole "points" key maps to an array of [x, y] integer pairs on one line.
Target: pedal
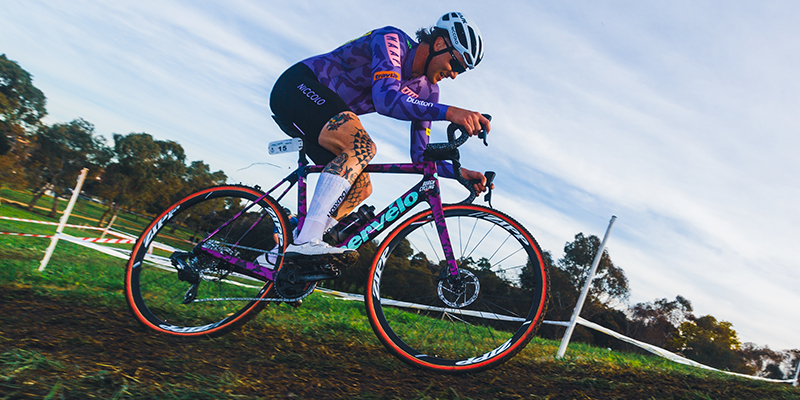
{"points": [[295, 304]]}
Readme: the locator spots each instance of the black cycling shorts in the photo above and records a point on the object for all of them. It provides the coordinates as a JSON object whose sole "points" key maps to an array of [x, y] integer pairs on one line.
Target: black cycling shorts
{"points": [[300, 101]]}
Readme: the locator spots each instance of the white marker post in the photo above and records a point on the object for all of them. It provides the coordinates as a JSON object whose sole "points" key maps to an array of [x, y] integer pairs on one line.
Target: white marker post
{"points": [[64, 219], [105, 231], [578, 307]]}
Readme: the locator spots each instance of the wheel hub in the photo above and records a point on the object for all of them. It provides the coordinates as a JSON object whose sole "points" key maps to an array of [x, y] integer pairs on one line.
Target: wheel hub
{"points": [[459, 292]]}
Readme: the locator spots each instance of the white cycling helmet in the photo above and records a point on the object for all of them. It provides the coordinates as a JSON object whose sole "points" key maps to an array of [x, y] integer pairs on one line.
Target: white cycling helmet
{"points": [[465, 37]]}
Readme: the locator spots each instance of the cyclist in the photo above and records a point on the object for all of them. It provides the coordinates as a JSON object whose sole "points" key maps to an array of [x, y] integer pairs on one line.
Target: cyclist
{"points": [[384, 71]]}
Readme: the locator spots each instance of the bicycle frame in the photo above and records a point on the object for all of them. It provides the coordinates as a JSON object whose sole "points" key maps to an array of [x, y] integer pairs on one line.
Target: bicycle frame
{"points": [[427, 190]]}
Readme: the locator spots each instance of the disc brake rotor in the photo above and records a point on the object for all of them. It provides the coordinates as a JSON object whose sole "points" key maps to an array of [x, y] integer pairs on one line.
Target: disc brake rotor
{"points": [[461, 292]]}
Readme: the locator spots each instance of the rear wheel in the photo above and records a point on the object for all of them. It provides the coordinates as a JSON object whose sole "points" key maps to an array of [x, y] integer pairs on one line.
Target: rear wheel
{"points": [[455, 325], [207, 296]]}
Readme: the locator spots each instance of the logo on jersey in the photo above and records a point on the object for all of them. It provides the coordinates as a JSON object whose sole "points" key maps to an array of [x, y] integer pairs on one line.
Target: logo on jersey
{"points": [[393, 48], [386, 75], [408, 92], [419, 102]]}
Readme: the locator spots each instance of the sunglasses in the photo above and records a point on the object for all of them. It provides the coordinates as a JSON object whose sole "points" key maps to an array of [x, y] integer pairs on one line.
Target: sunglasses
{"points": [[456, 65]]}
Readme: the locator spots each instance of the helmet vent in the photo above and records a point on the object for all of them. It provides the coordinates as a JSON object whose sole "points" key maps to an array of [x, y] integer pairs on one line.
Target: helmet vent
{"points": [[472, 40], [462, 36], [480, 51]]}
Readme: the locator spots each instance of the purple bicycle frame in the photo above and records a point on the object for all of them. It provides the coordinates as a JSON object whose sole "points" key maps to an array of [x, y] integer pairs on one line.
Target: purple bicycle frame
{"points": [[426, 190]]}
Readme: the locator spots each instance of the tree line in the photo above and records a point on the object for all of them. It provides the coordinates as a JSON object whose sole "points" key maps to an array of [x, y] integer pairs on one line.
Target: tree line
{"points": [[142, 174], [136, 172]]}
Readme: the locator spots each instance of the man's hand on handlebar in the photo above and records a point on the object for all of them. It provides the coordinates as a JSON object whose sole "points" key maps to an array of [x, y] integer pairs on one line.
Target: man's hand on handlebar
{"points": [[475, 175], [470, 120]]}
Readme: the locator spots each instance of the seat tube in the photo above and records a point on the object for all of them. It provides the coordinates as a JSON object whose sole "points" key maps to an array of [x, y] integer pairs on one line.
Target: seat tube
{"points": [[302, 204], [435, 201]]}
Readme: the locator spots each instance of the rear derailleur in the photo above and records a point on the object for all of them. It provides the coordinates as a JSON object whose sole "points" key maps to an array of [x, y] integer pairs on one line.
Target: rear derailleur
{"points": [[186, 273]]}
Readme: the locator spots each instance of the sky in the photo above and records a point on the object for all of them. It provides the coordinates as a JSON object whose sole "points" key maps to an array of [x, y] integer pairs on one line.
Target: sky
{"points": [[677, 117]]}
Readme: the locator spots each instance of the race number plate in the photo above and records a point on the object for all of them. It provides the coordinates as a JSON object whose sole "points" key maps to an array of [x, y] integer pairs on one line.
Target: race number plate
{"points": [[286, 146]]}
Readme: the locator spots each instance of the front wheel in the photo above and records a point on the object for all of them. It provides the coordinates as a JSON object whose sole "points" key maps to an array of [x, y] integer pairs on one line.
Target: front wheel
{"points": [[476, 321], [173, 288]]}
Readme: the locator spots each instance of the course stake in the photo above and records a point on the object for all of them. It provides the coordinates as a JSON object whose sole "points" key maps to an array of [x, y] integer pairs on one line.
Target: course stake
{"points": [[64, 218]]}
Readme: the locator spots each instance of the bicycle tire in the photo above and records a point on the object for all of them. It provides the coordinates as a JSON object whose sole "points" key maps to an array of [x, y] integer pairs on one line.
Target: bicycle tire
{"points": [[433, 324], [153, 289]]}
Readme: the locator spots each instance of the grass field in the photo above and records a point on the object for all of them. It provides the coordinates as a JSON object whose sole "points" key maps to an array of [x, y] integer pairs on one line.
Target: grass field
{"points": [[66, 333]]}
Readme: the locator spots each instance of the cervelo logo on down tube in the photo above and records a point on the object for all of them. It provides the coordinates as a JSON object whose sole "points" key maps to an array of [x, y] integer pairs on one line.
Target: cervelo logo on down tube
{"points": [[378, 224], [158, 225], [311, 94]]}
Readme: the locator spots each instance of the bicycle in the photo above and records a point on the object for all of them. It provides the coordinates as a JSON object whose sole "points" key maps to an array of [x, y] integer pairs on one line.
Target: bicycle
{"points": [[467, 303]]}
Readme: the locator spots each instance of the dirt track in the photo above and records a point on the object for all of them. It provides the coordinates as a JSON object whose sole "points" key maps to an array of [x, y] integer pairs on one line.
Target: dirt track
{"points": [[104, 349]]}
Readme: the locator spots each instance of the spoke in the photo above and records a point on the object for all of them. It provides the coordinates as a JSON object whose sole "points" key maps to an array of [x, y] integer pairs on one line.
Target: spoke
{"points": [[435, 253], [470, 235], [498, 249], [481, 241], [460, 244]]}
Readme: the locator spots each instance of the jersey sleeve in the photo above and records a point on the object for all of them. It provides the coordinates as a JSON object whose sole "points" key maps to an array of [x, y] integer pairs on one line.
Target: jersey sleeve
{"points": [[420, 136], [388, 53]]}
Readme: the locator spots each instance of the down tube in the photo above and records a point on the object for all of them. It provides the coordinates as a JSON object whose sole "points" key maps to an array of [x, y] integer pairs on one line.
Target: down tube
{"points": [[390, 214]]}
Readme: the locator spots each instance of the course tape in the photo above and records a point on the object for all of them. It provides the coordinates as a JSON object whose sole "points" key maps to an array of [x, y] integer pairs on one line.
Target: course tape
{"points": [[25, 234], [86, 239], [33, 221], [668, 354]]}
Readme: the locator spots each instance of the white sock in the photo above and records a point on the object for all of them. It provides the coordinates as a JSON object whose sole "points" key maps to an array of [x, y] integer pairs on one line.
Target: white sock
{"points": [[329, 193], [331, 223]]}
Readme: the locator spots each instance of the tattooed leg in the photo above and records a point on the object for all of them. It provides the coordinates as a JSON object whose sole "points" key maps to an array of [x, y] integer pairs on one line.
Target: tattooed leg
{"points": [[344, 135], [339, 120], [361, 189]]}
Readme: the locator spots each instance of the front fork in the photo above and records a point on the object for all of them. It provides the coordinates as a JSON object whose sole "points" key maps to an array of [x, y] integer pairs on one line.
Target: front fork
{"points": [[435, 201]]}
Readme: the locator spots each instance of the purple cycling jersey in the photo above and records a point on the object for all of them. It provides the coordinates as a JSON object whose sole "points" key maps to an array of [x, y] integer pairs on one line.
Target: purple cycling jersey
{"points": [[373, 74]]}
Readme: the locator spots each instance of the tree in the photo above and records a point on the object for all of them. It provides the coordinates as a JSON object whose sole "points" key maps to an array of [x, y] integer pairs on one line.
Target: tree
{"points": [[20, 101], [147, 174], [609, 281], [566, 280], [22, 106], [5, 145], [61, 151], [710, 342], [657, 322], [199, 176], [763, 361]]}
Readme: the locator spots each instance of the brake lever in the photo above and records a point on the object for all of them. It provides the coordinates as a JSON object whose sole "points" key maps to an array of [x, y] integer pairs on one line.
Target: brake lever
{"points": [[489, 178], [482, 134]]}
